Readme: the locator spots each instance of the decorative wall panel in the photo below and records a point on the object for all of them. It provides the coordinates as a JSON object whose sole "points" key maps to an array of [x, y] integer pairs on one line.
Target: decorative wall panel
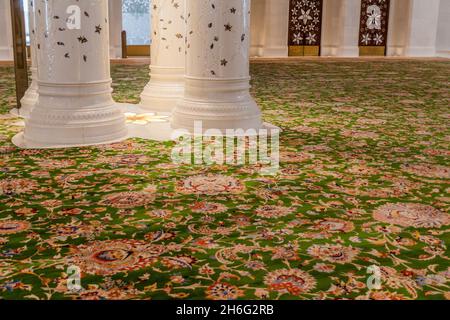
{"points": [[374, 27], [305, 27]]}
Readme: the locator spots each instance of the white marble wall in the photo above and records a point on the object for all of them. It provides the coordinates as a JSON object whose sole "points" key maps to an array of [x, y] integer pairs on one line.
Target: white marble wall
{"points": [[6, 49]]}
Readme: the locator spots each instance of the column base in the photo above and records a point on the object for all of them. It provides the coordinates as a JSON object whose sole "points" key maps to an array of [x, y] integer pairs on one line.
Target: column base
{"points": [[30, 98], [75, 129], [164, 91], [75, 114], [219, 116], [20, 141], [218, 104]]}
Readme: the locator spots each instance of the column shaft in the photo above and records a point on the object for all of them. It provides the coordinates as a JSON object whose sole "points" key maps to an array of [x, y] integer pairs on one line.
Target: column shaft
{"points": [[168, 30], [31, 95], [443, 33], [413, 28], [217, 67], [424, 23]]}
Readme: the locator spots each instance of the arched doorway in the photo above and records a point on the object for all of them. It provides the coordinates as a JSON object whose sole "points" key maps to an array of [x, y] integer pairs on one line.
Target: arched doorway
{"points": [[374, 27], [305, 27]]}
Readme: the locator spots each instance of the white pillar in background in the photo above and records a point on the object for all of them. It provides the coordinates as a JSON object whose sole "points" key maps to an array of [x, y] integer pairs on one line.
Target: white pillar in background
{"points": [[115, 29], [31, 95], [276, 29], [217, 68], [413, 28], [398, 28], [423, 32], [6, 39], [75, 106], [257, 24], [340, 31], [167, 67], [443, 33]]}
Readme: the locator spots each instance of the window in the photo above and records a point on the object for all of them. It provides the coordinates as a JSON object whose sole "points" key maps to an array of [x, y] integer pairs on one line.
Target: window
{"points": [[136, 21], [27, 25]]}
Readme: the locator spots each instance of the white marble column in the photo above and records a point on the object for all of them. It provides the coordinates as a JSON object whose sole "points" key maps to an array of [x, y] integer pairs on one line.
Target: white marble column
{"points": [[6, 42], [167, 67], [276, 29], [217, 68], [413, 26], [423, 32], [257, 27], [115, 29], [340, 30], [75, 106], [443, 33], [31, 95], [398, 29]]}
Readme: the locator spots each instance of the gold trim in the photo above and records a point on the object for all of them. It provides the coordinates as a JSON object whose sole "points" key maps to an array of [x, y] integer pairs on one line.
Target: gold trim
{"points": [[138, 51], [372, 51], [296, 51], [304, 51], [311, 51]]}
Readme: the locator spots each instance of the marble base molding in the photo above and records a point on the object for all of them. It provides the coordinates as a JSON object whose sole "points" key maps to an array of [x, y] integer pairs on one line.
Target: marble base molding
{"points": [[164, 90]]}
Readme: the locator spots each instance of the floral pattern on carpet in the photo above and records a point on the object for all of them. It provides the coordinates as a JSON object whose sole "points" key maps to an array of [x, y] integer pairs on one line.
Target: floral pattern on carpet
{"points": [[364, 181]]}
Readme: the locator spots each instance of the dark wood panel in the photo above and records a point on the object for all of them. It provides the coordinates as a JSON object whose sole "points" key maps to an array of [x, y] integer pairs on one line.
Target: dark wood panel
{"points": [[305, 26], [374, 24]]}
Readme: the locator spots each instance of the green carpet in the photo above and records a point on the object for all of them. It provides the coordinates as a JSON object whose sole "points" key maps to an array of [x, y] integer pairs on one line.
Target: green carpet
{"points": [[364, 181]]}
